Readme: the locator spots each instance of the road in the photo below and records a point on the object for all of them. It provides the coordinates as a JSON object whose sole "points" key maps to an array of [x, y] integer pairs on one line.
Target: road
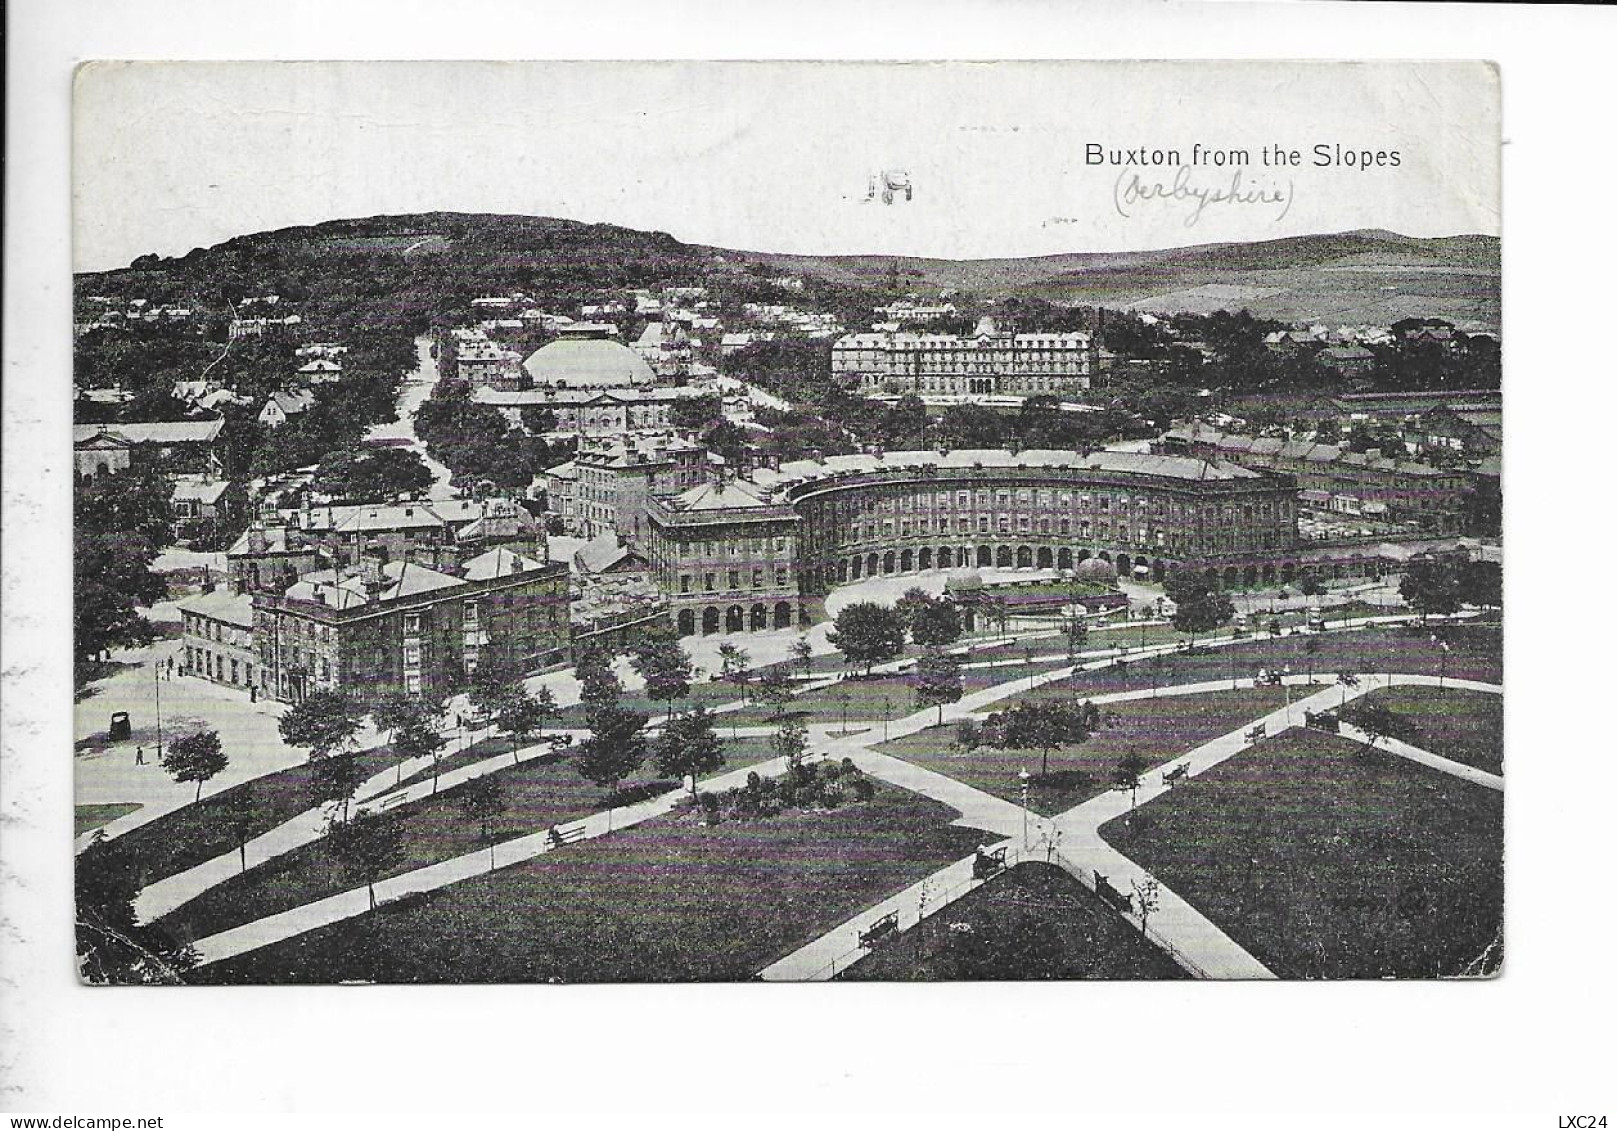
{"points": [[417, 387]]}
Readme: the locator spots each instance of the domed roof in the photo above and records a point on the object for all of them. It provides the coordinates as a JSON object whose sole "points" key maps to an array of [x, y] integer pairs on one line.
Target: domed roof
{"points": [[587, 363], [1095, 569]]}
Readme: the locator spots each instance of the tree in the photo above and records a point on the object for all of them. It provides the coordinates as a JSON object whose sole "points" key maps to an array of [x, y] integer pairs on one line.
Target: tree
{"points": [[483, 799], [1481, 583], [1077, 634], [867, 633], [324, 722], [598, 685], [690, 746], [1042, 727], [937, 680], [1130, 770], [803, 653], [1146, 899], [366, 847], [665, 666], [734, 666], [789, 741], [1309, 586], [616, 747], [937, 622], [236, 810], [393, 712], [196, 757], [1199, 606], [1431, 585], [335, 778], [775, 689], [967, 734], [365, 475], [503, 698], [421, 738]]}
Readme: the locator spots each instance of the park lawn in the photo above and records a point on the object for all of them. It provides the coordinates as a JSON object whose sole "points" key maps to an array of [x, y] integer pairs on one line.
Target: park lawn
{"points": [[1031, 923], [1157, 729], [197, 833], [538, 794], [669, 900], [708, 693], [1476, 654], [1327, 859], [1466, 726], [87, 817]]}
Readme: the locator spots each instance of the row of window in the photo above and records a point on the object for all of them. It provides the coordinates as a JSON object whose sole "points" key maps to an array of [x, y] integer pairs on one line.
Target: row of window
{"points": [[736, 578], [1045, 498]]}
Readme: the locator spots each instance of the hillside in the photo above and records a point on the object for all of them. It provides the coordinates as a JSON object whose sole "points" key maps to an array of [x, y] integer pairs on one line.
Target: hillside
{"points": [[414, 270]]}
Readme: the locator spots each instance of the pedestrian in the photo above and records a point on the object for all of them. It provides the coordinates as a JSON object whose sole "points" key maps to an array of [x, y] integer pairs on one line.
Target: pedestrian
{"points": [[171, 667], [140, 755]]}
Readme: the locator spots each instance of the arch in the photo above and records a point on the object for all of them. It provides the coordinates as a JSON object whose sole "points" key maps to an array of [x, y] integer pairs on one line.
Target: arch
{"points": [[872, 565], [1269, 573], [710, 621], [760, 618], [944, 558], [906, 561], [1024, 557], [1002, 557], [1212, 577], [735, 619], [1104, 555], [923, 560], [842, 571], [1047, 558], [1064, 558], [1125, 565], [856, 567], [1231, 577], [783, 614], [1084, 555], [985, 555], [1250, 577], [889, 559], [687, 622]]}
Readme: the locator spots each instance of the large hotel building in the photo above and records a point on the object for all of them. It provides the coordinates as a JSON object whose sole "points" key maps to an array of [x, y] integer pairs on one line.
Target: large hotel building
{"points": [[989, 363], [743, 554]]}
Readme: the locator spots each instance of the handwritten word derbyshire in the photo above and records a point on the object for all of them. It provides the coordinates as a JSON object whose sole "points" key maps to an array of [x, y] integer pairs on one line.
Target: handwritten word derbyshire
{"points": [[1133, 190]]}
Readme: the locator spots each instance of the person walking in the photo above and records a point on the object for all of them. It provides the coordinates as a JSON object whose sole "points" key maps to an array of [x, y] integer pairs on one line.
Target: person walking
{"points": [[140, 755]]}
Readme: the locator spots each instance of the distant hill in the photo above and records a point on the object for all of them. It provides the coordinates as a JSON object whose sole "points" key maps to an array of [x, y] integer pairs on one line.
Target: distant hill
{"points": [[415, 269]]}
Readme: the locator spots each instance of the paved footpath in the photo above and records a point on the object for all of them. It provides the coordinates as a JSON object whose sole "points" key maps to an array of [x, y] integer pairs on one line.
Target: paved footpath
{"points": [[1426, 758]]}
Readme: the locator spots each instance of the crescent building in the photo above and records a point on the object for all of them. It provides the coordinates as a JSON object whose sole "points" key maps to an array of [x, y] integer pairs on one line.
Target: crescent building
{"points": [[744, 554]]}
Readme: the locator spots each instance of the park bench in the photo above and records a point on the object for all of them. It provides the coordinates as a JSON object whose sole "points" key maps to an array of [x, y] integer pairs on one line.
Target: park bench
{"points": [[1322, 720], [879, 930], [1171, 778], [988, 864], [1117, 900]]}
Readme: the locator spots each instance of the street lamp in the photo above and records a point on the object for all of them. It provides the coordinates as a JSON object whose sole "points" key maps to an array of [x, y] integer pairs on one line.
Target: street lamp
{"points": [[1027, 780], [157, 687], [842, 698], [1442, 661], [886, 710]]}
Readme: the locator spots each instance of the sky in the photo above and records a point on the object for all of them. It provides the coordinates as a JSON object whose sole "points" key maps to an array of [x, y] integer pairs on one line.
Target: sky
{"points": [[780, 156]]}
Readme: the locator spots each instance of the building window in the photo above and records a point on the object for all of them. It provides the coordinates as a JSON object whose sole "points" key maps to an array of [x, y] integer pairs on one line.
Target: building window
{"points": [[735, 579]]}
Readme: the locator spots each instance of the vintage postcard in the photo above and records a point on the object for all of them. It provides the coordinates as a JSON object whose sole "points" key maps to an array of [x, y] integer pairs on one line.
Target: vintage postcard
{"points": [[644, 522]]}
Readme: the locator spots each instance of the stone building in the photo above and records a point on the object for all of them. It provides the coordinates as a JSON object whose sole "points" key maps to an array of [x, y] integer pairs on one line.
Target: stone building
{"points": [[402, 627], [617, 475], [742, 555], [991, 362], [217, 631]]}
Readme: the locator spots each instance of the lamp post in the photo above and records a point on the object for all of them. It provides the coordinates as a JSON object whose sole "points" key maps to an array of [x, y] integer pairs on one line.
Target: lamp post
{"points": [[1027, 780], [1286, 671], [157, 687], [1442, 661], [886, 710], [842, 698]]}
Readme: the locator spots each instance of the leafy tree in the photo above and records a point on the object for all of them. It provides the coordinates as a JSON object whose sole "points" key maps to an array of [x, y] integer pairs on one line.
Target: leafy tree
{"points": [[335, 778], [545, 707], [803, 653], [196, 757], [789, 741], [867, 633], [775, 689], [1130, 771], [522, 715], [967, 734], [937, 622], [690, 746], [937, 680], [599, 686], [113, 948], [1481, 583], [735, 665], [1146, 898], [1077, 634], [665, 666], [236, 810], [1431, 585], [395, 710], [366, 847], [1309, 586], [483, 799], [1040, 726], [422, 738], [364, 475], [324, 722], [615, 749], [1199, 606]]}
